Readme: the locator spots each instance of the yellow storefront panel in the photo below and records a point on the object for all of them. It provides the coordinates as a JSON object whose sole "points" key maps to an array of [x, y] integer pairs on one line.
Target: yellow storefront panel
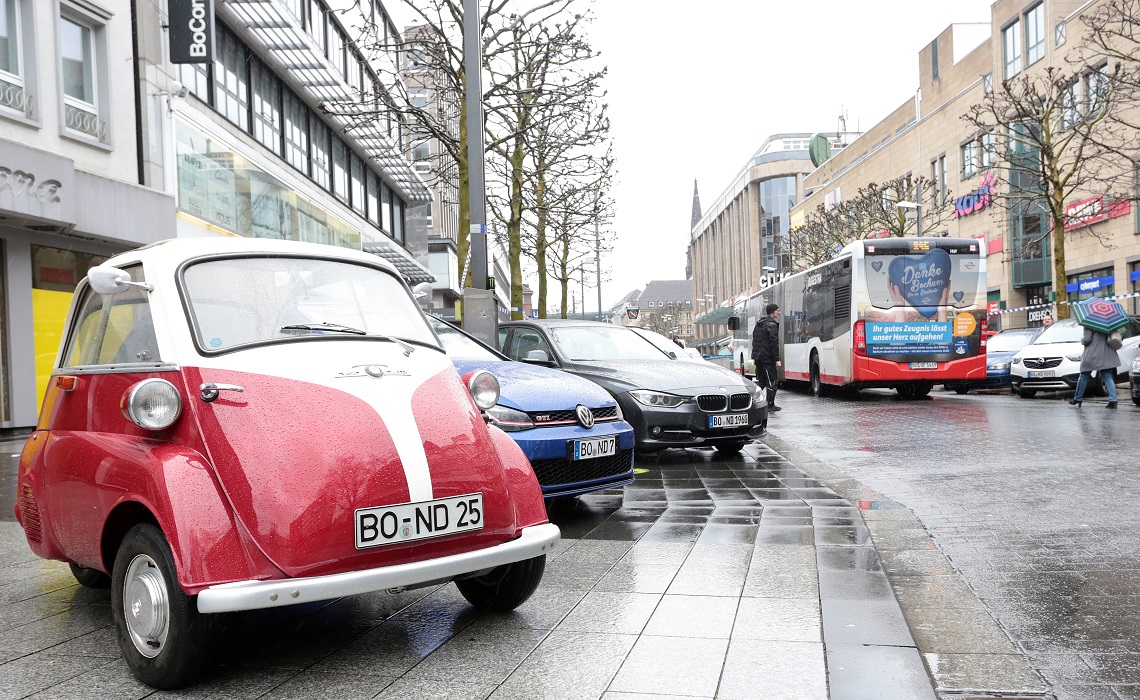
{"points": [[49, 312]]}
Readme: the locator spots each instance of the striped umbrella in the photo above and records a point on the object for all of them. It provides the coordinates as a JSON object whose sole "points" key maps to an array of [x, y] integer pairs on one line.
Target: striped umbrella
{"points": [[1100, 315]]}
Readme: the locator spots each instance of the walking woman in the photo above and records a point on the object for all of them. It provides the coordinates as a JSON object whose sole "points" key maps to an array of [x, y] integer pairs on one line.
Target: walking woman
{"points": [[1099, 357]]}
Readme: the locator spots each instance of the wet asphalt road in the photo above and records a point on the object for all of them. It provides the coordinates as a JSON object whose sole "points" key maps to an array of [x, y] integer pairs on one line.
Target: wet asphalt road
{"points": [[1034, 503]]}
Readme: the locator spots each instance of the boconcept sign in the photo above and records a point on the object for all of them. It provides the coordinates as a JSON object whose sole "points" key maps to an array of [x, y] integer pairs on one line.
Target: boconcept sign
{"points": [[191, 31]]}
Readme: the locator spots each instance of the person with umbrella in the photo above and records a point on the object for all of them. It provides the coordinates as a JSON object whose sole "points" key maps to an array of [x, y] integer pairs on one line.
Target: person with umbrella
{"points": [[1101, 319]]}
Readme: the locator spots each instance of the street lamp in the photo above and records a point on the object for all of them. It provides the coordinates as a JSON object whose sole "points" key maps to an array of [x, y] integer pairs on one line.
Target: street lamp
{"points": [[917, 214]]}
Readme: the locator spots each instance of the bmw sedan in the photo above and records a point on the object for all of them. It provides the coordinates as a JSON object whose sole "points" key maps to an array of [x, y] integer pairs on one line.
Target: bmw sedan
{"points": [[572, 432], [669, 403]]}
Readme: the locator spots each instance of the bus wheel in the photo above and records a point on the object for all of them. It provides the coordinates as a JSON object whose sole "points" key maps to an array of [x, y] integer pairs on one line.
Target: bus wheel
{"points": [[816, 381], [921, 390]]}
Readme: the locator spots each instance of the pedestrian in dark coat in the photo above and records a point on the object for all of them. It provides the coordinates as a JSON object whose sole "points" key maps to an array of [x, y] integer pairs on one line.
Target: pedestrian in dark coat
{"points": [[766, 352], [1099, 357]]}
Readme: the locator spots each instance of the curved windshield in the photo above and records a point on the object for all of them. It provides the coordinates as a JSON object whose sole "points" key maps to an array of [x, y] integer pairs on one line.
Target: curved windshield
{"points": [[603, 343], [241, 301], [1010, 341], [458, 346], [1066, 331]]}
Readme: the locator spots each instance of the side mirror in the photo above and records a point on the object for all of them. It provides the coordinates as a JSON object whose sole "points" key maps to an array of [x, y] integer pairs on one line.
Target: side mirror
{"points": [[733, 323], [538, 357], [112, 280], [673, 355], [422, 292]]}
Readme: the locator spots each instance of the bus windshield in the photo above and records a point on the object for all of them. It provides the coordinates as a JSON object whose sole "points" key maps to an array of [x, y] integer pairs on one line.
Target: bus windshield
{"points": [[922, 274]]}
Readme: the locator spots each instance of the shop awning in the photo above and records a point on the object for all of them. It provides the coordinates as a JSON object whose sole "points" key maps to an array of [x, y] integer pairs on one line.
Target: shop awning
{"points": [[408, 268], [718, 316]]}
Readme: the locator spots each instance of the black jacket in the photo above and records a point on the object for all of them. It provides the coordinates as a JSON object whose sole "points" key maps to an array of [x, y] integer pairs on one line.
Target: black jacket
{"points": [[766, 341]]}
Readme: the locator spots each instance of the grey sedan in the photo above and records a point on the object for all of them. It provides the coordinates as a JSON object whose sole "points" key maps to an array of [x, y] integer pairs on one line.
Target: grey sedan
{"points": [[669, 403]]}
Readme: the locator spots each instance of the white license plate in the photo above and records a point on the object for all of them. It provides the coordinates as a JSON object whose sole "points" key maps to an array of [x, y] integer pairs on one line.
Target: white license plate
{"points": [[1041, 373], [924, 365], [593, 448], [408, 522], [729, 420]]}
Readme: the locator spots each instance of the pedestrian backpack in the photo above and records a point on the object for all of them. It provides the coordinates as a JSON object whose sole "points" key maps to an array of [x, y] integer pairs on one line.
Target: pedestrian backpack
{"points": [[1115, 340]]}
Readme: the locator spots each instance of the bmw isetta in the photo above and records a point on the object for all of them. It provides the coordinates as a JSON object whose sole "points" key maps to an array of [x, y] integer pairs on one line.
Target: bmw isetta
{"points": [[235, 424]]}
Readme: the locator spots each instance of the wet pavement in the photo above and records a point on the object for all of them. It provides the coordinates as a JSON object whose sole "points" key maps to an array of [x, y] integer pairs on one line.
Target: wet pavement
{"points": [[1031, 504], [709, 577]]}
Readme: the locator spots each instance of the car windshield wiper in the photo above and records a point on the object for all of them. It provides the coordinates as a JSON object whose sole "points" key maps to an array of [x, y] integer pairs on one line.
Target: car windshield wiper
{"points": [[341, 328]]}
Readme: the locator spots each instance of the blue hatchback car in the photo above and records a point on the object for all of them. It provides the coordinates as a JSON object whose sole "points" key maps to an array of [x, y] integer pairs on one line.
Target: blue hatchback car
{"points": [[1000, 349], [570, 429]]}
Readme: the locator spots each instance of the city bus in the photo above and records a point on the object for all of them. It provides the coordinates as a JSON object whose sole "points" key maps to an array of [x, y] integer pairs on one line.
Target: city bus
{"points": [[900, 313]]}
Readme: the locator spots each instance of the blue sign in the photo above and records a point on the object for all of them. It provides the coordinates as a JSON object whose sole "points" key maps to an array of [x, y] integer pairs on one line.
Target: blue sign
{"points": [[1090, 286], [922, 282], [909, 337], [1135, 276], [534, 313]]}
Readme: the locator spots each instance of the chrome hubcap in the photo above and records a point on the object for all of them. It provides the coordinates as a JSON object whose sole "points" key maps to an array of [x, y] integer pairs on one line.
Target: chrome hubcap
{"points": [[146, 605]]}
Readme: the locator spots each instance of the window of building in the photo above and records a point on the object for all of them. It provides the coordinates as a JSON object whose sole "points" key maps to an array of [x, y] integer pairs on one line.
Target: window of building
{"points": [[79, 75], [1134, 278], [1071, 105], [231, 79], [340, 169], [385, 208], [1096, 89], [196, 78], [1011, 49], [944, 179], [421, 152], [398, 219], [374, 198], [935, 183], [296, 132], [315, 24], [356, 186], [969, 159], [1035, 35], [266, 107], [988, 83], [989, 151], [1091, 284], [13, 92], [1059, 33], [321, 141], [934, 59]]}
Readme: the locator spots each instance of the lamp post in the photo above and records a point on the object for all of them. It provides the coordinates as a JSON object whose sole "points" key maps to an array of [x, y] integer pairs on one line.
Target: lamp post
{"points": [[917, 214]]}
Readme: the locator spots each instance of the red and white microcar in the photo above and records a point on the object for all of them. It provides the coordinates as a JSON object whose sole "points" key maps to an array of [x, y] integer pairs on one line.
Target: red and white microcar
{"points": [[237, 423]]}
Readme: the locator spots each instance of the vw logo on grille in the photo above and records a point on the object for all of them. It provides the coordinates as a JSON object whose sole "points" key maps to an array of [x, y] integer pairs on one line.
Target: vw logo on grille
{"points": [[585, 416]]}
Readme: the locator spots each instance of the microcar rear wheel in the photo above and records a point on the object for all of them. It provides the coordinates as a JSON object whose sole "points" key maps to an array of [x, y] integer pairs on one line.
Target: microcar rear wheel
{"points": [[505, 587], [163, 637], [91, 578]]}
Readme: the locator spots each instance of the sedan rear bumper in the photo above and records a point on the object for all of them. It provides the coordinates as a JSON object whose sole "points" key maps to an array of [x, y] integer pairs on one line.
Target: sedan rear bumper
{"points": [[534, 541]]}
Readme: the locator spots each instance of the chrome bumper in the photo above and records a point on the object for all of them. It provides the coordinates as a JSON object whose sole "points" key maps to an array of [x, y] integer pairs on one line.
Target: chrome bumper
{"points": [[252, 595]]}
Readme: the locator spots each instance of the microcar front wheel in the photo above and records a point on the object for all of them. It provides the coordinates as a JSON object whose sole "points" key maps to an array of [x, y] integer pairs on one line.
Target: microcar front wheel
{"points": [[505, 587], [163, 637]]}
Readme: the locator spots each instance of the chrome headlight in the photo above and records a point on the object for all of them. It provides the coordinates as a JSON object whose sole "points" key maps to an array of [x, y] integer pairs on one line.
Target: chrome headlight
{"points": [[508, 419], [153, 404], [1074, 358], [999, 366], [484, 388], [759, 395], [656, 399]]}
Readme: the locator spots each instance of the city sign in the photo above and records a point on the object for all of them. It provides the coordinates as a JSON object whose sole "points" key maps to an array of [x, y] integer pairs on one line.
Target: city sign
{"points": [[1094, 210], [631, 314], [977, 200], [191, 31]]}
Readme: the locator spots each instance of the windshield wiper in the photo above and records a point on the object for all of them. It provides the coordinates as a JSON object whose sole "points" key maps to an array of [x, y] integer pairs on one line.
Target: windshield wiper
{"points": [[341, 328]]}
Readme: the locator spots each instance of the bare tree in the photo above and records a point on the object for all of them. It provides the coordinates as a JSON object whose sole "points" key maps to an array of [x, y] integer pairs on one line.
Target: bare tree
{"points": [[875, 210], [1059, 134]]}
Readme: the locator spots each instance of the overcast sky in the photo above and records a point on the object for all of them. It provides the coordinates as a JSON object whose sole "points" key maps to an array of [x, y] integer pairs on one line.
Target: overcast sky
{"points": [[696, 87]]}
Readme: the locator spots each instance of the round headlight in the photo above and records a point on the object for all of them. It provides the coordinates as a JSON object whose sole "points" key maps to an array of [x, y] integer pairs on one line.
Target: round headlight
{"points": [[153, 404], [484, 388]]}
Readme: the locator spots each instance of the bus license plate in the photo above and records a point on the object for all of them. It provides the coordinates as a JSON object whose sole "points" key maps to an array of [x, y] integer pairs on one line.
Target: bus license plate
{"points": [[1041, 373], [924, 365], [731, 420], [594, 448], [418, 521]]}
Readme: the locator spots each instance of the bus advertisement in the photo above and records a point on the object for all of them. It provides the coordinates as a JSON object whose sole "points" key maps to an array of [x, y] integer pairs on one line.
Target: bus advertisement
{"points": [[902, 313]]}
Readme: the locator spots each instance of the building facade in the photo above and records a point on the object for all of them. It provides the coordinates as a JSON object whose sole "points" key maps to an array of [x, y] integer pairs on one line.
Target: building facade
{"points": [[665, 307], [107, 143], [926, 135], [735, 240]]}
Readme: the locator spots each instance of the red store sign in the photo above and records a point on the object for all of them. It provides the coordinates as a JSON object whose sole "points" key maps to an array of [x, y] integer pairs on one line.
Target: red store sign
{"points": [[1094, 210]]}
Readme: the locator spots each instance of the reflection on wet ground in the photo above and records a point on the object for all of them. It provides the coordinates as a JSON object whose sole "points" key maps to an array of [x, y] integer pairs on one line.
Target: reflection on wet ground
{"points": [[1033, 501], [708, 577]]}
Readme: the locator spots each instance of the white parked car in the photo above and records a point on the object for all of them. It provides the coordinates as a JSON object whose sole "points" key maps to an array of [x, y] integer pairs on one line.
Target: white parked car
{"points": [[662, 343], [1052, 362]]}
